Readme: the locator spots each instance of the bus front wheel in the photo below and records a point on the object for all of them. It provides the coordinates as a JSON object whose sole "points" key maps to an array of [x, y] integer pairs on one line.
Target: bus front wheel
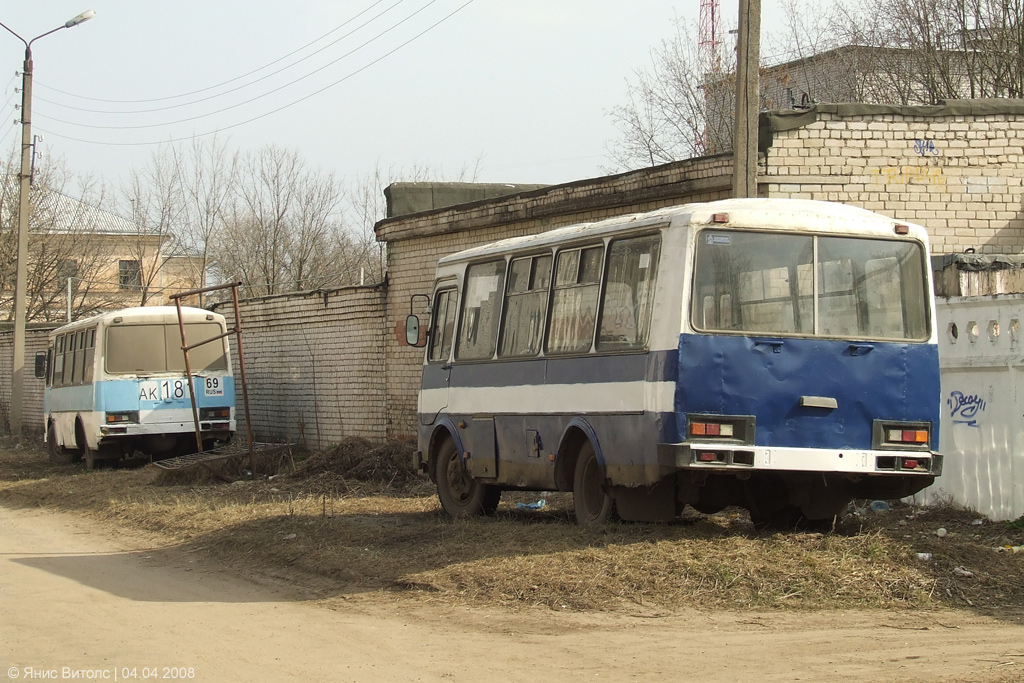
{"points": [[592, 502], [461, 495]]}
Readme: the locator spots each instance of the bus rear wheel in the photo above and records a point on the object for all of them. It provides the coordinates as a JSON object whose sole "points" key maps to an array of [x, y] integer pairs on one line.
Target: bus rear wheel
{"points": [[461, 495], [95, 456], [58, 454], [593, 504]]}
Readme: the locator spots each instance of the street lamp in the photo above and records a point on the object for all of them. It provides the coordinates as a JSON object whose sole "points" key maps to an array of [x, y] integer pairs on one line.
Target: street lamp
{"points": [[21, 280]]}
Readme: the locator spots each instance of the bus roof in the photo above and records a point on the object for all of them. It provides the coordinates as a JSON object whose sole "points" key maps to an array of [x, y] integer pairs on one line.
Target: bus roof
{"points": [[760, 213], [143, 314]]}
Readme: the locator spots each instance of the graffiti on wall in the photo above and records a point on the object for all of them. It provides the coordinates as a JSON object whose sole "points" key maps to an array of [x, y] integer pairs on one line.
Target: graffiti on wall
{"points": [[925, 148], [910, 175], [964, 408]]}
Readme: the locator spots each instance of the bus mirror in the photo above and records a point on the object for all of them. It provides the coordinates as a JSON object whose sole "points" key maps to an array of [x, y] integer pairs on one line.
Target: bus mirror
{"points": [[41, 365], [412, 330]]}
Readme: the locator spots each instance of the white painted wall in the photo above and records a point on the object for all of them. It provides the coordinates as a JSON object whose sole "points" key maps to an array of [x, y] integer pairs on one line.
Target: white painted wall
{"points": [[981, 353]]}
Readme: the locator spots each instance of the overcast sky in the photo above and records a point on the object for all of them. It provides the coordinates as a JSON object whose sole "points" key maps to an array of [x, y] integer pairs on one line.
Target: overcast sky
{"points": [[523, 86]]}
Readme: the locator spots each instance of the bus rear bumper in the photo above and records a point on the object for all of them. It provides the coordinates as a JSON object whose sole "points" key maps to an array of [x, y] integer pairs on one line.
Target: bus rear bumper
{"points": [[207, 427], [735, 459]]}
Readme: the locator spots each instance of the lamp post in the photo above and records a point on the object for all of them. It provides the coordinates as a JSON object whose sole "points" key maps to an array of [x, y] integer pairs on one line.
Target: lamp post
{"points": [[21, 279]]}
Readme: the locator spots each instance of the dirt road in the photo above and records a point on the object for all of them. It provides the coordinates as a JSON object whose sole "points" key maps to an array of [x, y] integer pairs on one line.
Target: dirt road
{"points": [[74, 598]]}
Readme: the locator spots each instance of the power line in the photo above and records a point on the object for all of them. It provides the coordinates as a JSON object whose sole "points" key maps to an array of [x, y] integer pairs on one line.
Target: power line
{"points": [[244, 85], [274, 111], [250, 100], [230, 80]]}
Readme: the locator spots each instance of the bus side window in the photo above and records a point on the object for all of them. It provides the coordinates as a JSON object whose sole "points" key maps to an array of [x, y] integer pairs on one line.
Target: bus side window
{"points": [[58, 362], [80, 357], [90, 355], [629, 293], [442, 325], [478, 326], [73, 352], [526, 304], [574, 304]]}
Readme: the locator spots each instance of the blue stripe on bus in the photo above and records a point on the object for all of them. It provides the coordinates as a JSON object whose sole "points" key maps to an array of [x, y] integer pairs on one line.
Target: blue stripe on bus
{"points": [[124, 394], [764, 377]]}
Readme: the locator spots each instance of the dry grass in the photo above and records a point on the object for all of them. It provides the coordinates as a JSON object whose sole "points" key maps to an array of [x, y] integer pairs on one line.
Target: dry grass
{"points": [[355, 520]]}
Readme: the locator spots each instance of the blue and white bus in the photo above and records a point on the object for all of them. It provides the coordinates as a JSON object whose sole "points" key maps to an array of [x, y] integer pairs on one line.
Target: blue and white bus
{"points": [[115, 384], [774, 354]]}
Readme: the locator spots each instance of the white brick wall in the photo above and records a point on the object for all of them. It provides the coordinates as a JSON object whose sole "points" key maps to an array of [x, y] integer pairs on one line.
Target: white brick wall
{"points": [[32, 408], [960, 179], [314, 364]]}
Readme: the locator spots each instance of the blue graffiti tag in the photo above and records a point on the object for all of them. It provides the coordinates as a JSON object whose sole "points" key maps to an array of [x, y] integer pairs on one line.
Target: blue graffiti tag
{"points": [[925, 147], [965, 407]]}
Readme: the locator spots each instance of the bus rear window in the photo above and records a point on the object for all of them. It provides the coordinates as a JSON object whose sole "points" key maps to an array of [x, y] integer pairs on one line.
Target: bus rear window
{"points": [[132, 349], [771, 283]]}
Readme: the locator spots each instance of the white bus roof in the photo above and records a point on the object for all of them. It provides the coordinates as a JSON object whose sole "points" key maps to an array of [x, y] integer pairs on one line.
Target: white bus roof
{"points": [[761, 213], [149, 314]]}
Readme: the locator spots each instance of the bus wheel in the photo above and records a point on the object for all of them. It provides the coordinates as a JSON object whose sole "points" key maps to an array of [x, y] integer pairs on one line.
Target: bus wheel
{"points": [[95, 456], [58, 454], [593, 504], [461, 495]]}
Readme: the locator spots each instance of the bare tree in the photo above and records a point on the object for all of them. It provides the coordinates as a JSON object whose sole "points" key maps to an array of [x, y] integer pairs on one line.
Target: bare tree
{"points": [[154, 197], [365, 257], [949, 49], [209, 180], [67, 249], [669, 114], [284, 225], [876, 51]]}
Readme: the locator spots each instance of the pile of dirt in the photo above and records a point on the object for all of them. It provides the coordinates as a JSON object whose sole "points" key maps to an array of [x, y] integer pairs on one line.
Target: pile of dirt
{"points": [[355, 459]]}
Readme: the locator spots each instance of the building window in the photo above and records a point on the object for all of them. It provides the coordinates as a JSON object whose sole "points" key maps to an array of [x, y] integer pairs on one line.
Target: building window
{"points": [[129, 274]]}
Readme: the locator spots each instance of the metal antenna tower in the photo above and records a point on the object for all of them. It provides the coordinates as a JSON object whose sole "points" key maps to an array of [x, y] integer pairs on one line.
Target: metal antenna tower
{"points": [[709, 57], [710, 37]]}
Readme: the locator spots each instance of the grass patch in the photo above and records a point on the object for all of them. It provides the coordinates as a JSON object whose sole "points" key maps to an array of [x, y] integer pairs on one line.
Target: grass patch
{"points": [[356, 520]]}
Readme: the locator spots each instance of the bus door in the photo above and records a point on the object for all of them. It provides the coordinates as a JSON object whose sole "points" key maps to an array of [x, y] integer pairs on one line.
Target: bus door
{"points": [[437, 371]]}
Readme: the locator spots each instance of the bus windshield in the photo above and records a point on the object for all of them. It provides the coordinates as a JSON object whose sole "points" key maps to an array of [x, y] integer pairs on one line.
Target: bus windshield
{"points": [[132, 349], [808, 285]]}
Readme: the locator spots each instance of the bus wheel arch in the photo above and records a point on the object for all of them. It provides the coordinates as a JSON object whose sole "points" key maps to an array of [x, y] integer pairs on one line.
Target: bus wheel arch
{"points": [[59, 455], [461, 495], [445, 430], [575, 435], [581, 468]]}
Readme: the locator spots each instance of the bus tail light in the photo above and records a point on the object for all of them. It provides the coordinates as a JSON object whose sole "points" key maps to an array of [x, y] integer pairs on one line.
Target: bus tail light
{"points": [[127, 416], [720, 428], [214, 413], [907, 436], [902, 435], [711, 429]]}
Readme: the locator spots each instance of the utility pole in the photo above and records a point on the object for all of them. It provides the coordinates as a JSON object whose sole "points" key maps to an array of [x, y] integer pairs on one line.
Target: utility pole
{"points": [[21, 277], [748, 61]]}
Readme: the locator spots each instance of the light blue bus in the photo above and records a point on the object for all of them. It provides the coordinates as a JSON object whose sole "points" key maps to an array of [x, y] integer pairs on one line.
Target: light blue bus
{"points": [[116, 384], [778, 355]]}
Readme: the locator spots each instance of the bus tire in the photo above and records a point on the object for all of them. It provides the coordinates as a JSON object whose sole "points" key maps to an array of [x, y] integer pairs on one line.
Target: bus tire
{"points": [[58, 454], [460, 494], [594, 506], [95, 456]]}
